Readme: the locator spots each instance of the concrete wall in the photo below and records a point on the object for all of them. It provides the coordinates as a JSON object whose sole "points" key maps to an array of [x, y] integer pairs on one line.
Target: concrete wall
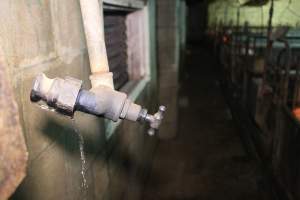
{"points": [[168, 47], [47, 36], [226, 11]]}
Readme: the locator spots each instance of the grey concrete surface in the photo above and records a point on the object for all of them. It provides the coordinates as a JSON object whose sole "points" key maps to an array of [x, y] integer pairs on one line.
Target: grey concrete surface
{"points": [[206, 161]]}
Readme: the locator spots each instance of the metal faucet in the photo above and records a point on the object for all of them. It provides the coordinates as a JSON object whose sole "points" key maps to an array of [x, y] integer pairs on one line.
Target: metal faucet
{"points": [[67, 96]]}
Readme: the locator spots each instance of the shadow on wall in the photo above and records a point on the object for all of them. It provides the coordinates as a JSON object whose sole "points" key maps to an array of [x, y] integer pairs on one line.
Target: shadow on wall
{"points": [[126, 166], [96, 145], [68, 139]]}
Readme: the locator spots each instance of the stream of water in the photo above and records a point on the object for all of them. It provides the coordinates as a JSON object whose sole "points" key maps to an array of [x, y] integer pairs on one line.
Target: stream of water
{"points": [[84, 185]]}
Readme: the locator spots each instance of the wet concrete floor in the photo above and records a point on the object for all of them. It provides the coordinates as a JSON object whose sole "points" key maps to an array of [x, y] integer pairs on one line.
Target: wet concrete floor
{"points": [[206, 160]]}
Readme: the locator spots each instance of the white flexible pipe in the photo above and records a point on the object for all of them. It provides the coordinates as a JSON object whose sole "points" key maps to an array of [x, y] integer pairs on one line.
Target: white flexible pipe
{"points": [[92, 16]]}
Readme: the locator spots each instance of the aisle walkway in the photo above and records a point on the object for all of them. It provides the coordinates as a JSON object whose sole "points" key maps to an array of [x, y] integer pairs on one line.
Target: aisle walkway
{"points": [[206, 161]]}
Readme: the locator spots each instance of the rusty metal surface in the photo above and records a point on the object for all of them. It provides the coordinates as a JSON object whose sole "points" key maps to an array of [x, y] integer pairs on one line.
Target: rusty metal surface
{"points": [[13, 152]]}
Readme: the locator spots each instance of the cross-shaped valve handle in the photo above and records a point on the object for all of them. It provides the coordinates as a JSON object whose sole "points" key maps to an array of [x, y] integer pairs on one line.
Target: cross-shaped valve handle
{"points": [[155, 120]]}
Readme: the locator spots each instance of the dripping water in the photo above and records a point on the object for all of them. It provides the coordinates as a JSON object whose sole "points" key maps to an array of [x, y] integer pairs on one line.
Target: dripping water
{"points": [[84, 185], [46, 107]]}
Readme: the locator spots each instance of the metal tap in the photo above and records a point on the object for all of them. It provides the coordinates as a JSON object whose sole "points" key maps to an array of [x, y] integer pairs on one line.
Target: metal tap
{"points": [[67, 96], [153, 120]]}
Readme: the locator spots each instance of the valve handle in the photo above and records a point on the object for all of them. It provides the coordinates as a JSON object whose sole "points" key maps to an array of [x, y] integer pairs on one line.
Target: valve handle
{"points": [[155, 120]]}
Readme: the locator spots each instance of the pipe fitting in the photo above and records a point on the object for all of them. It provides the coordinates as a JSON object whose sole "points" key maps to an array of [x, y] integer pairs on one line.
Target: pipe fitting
{"points": [[111, 104], [67, 96], [61, 94]]}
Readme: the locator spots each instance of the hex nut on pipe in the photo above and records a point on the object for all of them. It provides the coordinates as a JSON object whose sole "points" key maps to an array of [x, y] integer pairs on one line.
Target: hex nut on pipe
{"points": [[60, 94]]}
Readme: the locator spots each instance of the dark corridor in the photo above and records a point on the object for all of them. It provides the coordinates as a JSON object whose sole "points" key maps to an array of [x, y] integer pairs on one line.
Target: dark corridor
{"points": [[206, 160]]}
